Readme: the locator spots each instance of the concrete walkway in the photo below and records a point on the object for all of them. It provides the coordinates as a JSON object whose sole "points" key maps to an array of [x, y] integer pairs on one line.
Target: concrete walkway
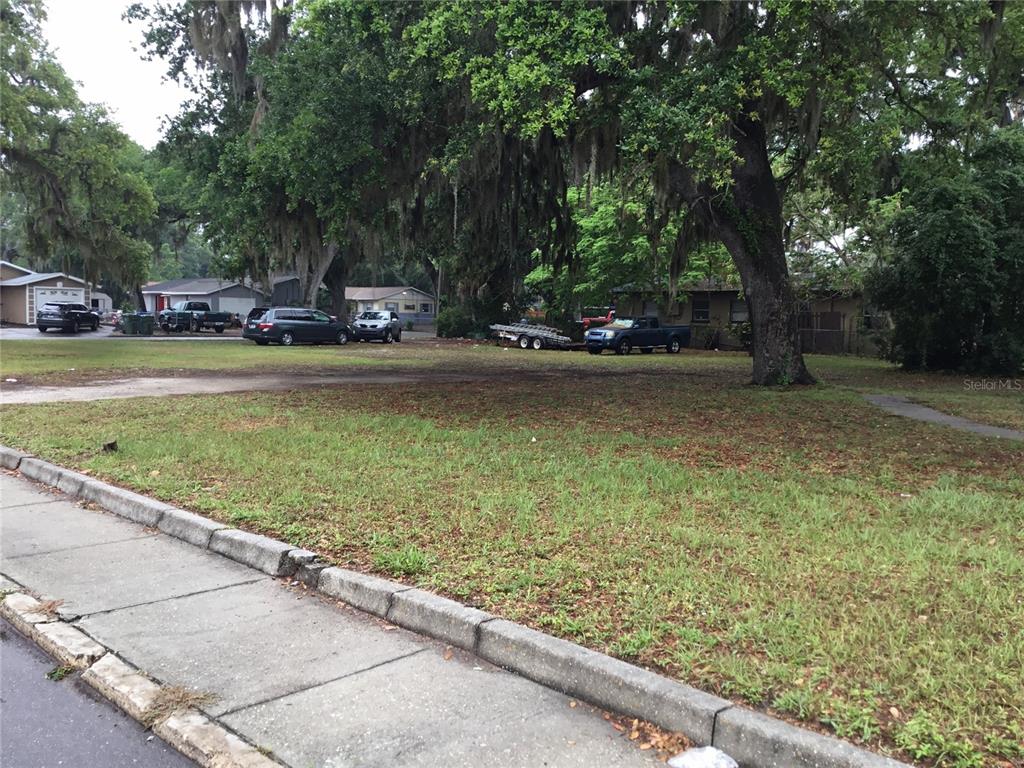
{"points": [[317, 683], [901, 406]]}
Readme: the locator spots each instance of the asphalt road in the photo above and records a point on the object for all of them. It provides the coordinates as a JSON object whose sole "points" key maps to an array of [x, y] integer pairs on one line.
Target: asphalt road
{"points": [[47, 724]]}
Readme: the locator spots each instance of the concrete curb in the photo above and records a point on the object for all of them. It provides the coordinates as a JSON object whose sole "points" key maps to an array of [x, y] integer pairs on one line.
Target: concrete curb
{"points": [[754, 739], [10, 458], [367, 593], [601, 680], [438, 617], [210, 745], [260, 552], [189, 731]]}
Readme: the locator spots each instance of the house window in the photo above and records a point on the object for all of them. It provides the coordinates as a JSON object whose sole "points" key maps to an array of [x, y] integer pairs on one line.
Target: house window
{"points": [[95, 303], [701, 310], [738, 312], [410, 307], [391, 306], [426, 308]]}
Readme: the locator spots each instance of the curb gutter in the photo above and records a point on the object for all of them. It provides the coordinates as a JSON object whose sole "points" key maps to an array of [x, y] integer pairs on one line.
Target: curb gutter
{"points": [[187, 730], [754, 739]]}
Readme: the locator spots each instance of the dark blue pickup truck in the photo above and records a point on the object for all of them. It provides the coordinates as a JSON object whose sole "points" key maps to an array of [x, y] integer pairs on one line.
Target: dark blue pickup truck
{"points": [[643, 333]]}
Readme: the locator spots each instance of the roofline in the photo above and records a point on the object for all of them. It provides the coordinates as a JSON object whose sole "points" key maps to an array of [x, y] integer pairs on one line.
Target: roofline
{"points": [[26, 270], [40, 276]]}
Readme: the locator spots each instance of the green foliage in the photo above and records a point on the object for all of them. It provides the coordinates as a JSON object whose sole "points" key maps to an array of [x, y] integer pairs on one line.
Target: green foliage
{"points": [[615, 248], [954, 284], [76, 174]]}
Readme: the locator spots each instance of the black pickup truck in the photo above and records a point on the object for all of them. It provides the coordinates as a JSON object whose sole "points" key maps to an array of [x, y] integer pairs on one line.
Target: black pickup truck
{"points": [[644, 333], [192, 316]]}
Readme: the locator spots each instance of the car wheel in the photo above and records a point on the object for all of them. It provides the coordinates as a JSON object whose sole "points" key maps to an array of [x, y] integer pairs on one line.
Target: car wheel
{"points": [[219, 329], [624, 348], [342, 338], [95, 326], [537, 342], [74, 326], [165, 327], [42, 329], [647, 350], [388, 338], [674, 346], [524, 342], [398, 336], [287, 338]]}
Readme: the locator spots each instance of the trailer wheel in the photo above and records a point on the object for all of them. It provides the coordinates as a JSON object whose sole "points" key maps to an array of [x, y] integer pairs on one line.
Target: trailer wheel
{"points": [[524, 341], [537, 342]]}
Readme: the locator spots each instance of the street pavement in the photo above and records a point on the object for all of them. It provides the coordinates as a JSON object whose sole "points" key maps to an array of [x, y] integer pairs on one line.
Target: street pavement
{"points": [[47, 723], [314, 681]]}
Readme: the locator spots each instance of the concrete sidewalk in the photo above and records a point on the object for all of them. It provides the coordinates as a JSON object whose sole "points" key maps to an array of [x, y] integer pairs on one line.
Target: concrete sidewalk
{"points": [[315, 682]]}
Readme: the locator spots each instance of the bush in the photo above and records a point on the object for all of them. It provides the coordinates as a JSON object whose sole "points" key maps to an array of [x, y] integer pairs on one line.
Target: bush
{"points": [[955, 285], [455, 322]]}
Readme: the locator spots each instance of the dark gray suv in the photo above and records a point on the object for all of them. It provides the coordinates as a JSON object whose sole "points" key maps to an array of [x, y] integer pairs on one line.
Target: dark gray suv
{"points": [[295, 325], [67, 316]]}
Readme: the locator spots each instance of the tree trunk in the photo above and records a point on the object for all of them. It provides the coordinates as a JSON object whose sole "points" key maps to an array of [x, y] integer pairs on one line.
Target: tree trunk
{"points": [[749, 223], [140, 300], [336, 280]]}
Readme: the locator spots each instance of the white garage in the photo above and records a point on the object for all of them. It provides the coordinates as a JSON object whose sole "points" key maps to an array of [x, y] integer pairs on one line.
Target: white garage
{"points": [[43, 295]]}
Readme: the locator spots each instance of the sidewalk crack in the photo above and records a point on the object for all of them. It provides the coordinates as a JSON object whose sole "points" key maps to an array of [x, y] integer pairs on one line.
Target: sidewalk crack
{"points": [[81, 546], [172, 597], [378, 665]]}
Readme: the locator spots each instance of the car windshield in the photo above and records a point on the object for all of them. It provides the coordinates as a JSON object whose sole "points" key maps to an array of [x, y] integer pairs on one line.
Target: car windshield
{"points": [[372, 316], [622, 322]]}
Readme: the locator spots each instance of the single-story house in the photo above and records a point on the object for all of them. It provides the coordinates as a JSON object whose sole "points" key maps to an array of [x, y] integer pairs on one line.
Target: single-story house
{"points": [[222, 295], [22, 291], [410, 303], [829, 322]]}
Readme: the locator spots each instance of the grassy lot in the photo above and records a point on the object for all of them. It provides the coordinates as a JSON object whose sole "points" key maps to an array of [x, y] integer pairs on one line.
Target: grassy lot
{"points": [[795, 550], [65, 360]]}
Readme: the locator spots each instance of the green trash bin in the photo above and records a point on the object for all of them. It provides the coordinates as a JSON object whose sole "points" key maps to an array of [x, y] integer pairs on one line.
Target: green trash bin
{"points": [[146, 325], [130, 325]]}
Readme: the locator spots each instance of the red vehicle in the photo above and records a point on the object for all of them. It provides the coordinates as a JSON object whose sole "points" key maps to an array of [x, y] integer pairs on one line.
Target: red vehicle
{"points": [[599, 320]]}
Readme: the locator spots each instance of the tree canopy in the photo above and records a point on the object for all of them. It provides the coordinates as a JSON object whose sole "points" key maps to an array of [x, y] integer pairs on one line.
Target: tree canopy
{"points": [[74, 177], [326, 133]]}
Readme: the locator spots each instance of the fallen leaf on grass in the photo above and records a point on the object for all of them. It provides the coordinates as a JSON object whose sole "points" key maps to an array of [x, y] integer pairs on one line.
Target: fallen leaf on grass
{"points": [[447, 654]]}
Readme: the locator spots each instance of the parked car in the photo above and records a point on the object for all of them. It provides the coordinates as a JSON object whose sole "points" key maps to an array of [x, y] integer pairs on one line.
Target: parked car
{"points": [[67, 316], [192, 316], [377, 324], [294, 325], [644, 333]]}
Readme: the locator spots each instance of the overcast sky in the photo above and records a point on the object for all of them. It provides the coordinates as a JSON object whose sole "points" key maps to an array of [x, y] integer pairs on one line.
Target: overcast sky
{"points": [[95, 47]]}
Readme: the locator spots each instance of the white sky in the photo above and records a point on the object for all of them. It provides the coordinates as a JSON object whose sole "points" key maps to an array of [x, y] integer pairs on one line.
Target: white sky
{"points": [[95, 47]]}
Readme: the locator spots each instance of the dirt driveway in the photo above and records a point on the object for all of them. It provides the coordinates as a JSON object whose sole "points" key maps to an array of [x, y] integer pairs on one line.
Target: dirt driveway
{"points": [[155, 386]]}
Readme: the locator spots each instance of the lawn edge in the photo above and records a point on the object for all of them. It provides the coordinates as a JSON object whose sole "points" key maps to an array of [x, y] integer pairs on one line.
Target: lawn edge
{"points": [[200, 738], [755, 739]]}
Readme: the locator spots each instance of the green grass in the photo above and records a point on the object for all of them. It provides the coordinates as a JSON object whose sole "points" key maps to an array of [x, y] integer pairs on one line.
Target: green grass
{"points": [[78, 358], [796, 550]]}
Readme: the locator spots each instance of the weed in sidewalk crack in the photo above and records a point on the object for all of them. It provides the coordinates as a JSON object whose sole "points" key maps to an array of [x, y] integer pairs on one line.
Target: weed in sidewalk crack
{"points": [[174, 698]]}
